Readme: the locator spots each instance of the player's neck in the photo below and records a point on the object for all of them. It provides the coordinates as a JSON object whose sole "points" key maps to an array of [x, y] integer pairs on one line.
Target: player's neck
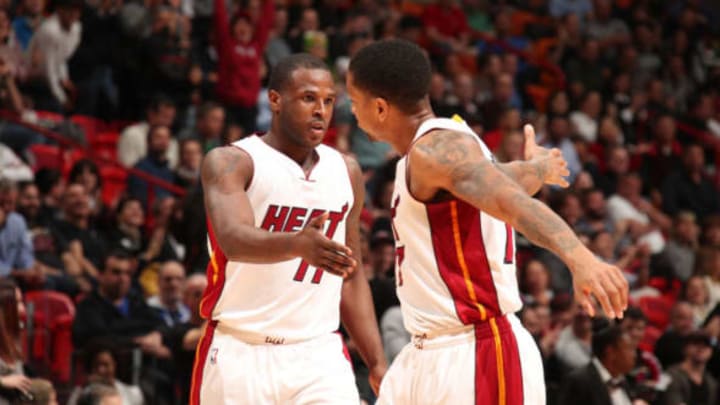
{"points": [[407, 128], [302, 155]]}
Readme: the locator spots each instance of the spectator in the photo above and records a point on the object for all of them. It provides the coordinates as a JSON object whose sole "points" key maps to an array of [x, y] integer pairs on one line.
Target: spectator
{"points": [[168, 303], [101, 363], [393, 332], [698, 296], [86, 172], [573, 348], [691, 382], [645, 222], [535, 283], [644, 378], [618, 164], [688, 189], [446, 27], [155, 163], [127, 232], [81, 244], [13, 382], [209, 126], [132, 145], [668, 347], [664, 155], [115, 313], [581, 8], [240, 45], [51, 185], [42, 392], [595, 218], [16, 253], [585, 120], [680, 250], [99, 394], [187, 173], [28, 20], [558, 136], [611, 33], [603, 381], [52, 45]]}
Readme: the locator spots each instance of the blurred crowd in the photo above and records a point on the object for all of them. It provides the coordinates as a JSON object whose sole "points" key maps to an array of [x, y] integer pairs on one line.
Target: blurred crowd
{"points": [[629, 90]]}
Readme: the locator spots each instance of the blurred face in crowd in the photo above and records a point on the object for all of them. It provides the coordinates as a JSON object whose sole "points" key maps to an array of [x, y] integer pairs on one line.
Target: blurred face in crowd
{"points": [[570, 210], [696, 291], [29, 201], [305, 106], [503, 90], [115, 278], [694, 159], [4, 24], [582, 323], [604, 246], [159, 141], [537, 278], [698, 353], [383, 256], [33, 7], [686, 230], [681, 318], [619, 160], [103, 366], [191, 155], [281, 21], [309, 20], [242, 30], [635, 329], [8, 198], [602, 9], [559, 129], [437, 87], [170, 282], [76, 204], [609, 132], [559, 103], [593, 104], [164, 115], [68, 16], [711, 235], [464, 88], [88, 179], [591, 51], [211, 126], [622, 355], [194, 288], [595, 207], [705, 109], [132, 214], [512, 146], [629, 186], [665, 129]]}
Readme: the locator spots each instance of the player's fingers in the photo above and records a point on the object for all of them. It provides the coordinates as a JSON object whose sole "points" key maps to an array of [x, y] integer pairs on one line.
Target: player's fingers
{"points": [[599, 292], [339, 259], [613, 292], [318, 221], [586, 303], [529, 145], [622, 285]]}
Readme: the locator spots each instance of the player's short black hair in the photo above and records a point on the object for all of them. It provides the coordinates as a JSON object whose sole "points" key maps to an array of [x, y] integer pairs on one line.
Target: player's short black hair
{"points": [[605, 333], [394, 69], [283, 70]]}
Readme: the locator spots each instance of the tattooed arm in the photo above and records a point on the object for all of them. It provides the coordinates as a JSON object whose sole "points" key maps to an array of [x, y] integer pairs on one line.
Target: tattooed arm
{"points": [[226, 173], [458, 165], [541, 166]]}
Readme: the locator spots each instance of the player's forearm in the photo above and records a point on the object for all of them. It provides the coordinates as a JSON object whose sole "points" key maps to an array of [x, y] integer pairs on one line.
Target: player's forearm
{"points": [[358, 317], [529, 174], [245, 243], [544, 228]]}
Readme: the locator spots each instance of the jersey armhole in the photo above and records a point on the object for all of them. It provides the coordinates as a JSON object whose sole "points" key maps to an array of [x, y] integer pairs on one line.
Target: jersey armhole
{"points": [[251, 181]]}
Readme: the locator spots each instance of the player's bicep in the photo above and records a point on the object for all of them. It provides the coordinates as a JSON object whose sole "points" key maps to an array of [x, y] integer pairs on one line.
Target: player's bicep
{"points": [[455, 162], [352, 228], [225, 174]]}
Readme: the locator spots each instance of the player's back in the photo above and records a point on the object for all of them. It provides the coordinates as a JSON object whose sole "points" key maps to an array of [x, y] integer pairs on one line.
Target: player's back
{"points": [[286, 300], [455, 264]]}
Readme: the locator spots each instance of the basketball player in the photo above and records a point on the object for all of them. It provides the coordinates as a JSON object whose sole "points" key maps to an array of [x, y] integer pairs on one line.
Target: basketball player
{"points": [[454, 210], [283, 228]]}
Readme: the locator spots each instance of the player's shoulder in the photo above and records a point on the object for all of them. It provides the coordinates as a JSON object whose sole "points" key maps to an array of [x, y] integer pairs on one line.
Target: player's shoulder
{"points": [[442, 144], [226, 161]]}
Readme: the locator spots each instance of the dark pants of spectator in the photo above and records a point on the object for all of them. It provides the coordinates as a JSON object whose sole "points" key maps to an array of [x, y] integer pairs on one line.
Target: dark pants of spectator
{"points": [[245, 117], [97, 91], [43, 99], [19, 138]]}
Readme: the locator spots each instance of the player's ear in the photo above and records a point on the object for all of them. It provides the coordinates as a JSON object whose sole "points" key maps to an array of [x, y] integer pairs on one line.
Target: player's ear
{"points": [[274, 97], [381, 108]]}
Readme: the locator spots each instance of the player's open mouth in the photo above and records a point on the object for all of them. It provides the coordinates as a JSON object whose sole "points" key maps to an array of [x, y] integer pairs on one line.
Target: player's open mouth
{"points": [[318, 128]]}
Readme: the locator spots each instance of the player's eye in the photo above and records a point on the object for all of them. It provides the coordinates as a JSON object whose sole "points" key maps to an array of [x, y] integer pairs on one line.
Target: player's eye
{"points": [[309, 98]]}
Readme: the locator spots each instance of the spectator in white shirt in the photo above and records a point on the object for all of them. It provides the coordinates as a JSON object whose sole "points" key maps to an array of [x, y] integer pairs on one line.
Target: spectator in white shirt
{"points": [[53, 44], [132, 145]]}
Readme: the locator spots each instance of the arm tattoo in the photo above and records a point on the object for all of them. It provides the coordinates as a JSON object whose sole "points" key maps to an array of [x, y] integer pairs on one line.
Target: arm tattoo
{"points": [[224, 164], [445, 147], [548, 231]]}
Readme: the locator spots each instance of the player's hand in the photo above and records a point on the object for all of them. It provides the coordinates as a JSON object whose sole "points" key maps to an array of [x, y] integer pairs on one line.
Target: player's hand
{"points": [[376, 375], [322, 252], [606, 283], [551, 165]]}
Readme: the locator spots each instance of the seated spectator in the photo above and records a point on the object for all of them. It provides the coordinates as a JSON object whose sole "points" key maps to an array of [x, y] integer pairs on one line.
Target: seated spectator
{"points": [[446, 27], [12, 167], [603, 381], [16, 252], [86, 172], [573, 348], [82, 246], [585, 120], [618, 165], [13, 382], [51, 47], [154, 163], [168, 303], [99, 394], [681, 249], [644, 378], [101, 364], [51, 185], [691, 382], [645, 223], [187, 173], [132, 145], [210, 121], [688, 189], [711, 231], [708, 265], [668, 348], [595, 218], [558, 136], [42, 392], [663, 156], [127, 232], [698, 296], [535, 283], [27, 21], [393, 332], [116, 314]]}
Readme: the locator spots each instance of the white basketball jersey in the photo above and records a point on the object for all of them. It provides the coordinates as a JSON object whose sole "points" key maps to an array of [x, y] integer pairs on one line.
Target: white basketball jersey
{"points": [[290, 299], [455, 264]]}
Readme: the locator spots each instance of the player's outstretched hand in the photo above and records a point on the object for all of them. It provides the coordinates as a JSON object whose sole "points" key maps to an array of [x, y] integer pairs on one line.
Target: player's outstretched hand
{"points": [[322, 252], [551, 165], [606, 283]]}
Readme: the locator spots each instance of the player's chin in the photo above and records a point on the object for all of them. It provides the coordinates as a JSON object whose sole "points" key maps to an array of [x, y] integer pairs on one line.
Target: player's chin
{"points": [[314, 137]]}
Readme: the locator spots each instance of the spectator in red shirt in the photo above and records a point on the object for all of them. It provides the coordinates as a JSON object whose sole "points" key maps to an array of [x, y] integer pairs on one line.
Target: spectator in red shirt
{"points": [[240, 46], [446, 27]]}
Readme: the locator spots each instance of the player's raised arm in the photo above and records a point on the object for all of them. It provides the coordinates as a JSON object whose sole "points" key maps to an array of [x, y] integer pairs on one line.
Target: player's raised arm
{"points": [[226, 173], [453, 161]]}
